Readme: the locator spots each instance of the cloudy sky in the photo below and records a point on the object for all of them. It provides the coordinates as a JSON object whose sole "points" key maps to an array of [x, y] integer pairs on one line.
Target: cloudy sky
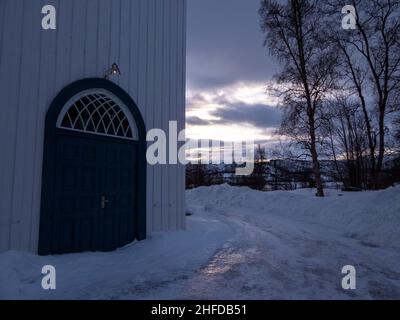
{"points": [[228, 70]]}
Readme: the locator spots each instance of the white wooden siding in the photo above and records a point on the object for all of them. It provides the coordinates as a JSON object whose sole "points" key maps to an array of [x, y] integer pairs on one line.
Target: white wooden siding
{"points": [[147, 40]]}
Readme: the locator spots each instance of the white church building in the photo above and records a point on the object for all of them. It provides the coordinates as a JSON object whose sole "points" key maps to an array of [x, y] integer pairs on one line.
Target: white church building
{"points": [[81, 83]]}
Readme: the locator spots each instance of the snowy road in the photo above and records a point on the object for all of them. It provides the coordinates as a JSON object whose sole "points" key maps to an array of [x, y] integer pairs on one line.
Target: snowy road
{"points": [[266, 259], [240, 244], [287, 248]]}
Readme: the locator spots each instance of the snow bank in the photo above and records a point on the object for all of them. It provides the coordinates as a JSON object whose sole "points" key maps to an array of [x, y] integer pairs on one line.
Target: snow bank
{"points": [[371, 217], [134, 271]]}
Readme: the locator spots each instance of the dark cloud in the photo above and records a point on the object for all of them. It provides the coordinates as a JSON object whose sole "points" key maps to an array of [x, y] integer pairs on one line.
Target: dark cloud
{"points": [[259, 116], [225, 44], [196, 121]]}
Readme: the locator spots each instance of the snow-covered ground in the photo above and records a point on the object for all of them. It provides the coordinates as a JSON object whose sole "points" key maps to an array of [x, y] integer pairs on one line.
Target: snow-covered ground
{"points": [[239, 244]]}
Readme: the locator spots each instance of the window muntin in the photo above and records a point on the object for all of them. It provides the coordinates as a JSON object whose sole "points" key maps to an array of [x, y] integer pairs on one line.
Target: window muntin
{"points": [[98, 112]]}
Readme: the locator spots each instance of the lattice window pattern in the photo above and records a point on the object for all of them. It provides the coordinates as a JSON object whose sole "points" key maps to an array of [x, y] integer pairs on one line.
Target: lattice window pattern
{"points": [[99, 114]]}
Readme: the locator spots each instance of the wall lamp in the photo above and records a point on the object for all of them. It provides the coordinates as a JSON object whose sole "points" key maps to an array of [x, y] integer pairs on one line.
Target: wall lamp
{"points": [[114, 70]]}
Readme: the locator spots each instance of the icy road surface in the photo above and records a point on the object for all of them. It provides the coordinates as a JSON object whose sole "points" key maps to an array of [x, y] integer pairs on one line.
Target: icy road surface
{"points": [[239, 244]]}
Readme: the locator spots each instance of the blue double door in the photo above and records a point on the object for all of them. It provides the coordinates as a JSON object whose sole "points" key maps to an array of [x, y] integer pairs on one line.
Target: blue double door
{"points": [[95, 196]]}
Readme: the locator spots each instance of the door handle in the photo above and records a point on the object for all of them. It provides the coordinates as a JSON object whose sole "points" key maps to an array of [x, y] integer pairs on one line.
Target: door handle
{"points": [[104, 202]]}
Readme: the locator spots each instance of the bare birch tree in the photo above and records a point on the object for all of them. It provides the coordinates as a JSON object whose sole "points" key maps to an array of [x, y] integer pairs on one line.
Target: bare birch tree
{"points": [[294, 33], [371, 57]]}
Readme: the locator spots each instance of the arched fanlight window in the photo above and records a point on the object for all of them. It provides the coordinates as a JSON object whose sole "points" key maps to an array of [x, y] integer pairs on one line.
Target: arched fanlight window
{"points": [[98, 112]]}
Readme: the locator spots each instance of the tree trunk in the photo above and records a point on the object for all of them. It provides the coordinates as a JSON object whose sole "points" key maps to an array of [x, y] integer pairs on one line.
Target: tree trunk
{"points": [[335, 156], [367, 119], [316, 164], [381, 154], [298, 25]]}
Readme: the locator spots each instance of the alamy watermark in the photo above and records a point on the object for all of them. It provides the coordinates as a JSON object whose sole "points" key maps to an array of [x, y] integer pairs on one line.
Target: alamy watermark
{"points": [[174, 148], [349, 21], [49, 20], [349, 281], [49, 279]]}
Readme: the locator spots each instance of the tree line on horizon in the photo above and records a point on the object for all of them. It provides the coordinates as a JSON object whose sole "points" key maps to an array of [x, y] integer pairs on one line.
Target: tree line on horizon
{"points": [[272, 174]]}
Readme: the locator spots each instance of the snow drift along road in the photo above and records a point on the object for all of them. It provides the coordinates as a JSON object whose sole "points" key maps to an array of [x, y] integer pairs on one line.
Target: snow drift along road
{"points": [[372, 217]]}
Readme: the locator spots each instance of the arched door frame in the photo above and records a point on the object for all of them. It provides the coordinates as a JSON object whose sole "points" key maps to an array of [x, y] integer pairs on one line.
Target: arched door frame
{"points": [[49, 155]]}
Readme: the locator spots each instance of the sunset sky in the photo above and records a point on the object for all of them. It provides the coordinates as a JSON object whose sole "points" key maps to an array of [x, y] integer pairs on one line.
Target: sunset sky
{"points": [[228, 70]]}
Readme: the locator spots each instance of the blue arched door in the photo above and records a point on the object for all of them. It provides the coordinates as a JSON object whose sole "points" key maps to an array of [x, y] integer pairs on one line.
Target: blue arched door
{"points": [[93, 196]]}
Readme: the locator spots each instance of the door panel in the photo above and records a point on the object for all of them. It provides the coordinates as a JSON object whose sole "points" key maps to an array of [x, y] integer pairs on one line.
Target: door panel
{"points": [[95, 203], [119, 189]]}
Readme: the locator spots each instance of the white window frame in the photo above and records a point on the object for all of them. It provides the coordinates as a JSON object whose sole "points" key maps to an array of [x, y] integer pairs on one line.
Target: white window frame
{"points": [[71, 102]]}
